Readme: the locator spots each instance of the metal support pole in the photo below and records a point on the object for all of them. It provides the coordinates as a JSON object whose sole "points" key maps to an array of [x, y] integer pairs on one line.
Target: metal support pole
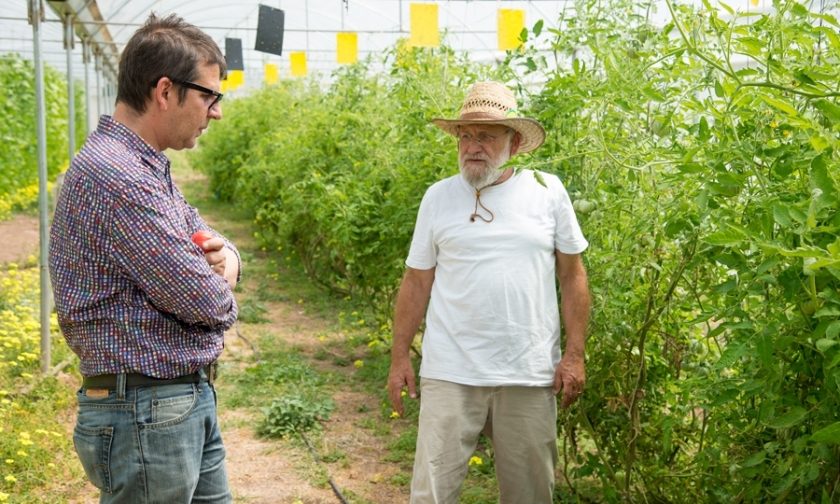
{"points": [[71, 97], [98, 85], [35, 19], [86, 59]]}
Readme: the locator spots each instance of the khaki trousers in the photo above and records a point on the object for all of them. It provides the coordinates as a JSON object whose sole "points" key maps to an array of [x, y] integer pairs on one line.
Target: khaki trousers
{"points": [[519, 421]]}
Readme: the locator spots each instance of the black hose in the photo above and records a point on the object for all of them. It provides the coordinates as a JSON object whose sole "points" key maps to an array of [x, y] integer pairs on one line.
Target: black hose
{"points": [[318, 461]]}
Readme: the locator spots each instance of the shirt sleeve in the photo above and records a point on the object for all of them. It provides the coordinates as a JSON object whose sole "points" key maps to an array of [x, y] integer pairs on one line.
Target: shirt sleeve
{"points": [[148, 243], [568, 237], [423, 253]]}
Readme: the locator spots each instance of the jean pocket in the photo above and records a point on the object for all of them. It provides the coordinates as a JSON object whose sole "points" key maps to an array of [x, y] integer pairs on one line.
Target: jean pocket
{"points": [[172, 410], [93, 445]]}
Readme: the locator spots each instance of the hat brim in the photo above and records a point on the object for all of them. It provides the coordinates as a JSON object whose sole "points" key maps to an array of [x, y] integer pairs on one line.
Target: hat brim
{"points": [[531, 131]]}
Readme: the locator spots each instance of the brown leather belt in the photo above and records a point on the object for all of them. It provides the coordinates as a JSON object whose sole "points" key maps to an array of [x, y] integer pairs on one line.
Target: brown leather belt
{"points": [[136, 380]]}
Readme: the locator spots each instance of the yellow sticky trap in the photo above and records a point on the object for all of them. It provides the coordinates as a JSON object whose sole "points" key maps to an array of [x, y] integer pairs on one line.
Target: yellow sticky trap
{"points": [[347, 47], [224, 87], [271, 73], [511, 23], [424, 26], [298, 60], [235, 79], [754, 3]]}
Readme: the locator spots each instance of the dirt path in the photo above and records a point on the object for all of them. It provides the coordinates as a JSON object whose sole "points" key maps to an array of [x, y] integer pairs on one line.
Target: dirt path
{"points": [[271, 471], [18, 238]]}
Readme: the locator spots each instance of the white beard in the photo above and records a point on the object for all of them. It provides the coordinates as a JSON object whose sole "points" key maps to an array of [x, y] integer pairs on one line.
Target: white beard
{"points": [[491, 172]]}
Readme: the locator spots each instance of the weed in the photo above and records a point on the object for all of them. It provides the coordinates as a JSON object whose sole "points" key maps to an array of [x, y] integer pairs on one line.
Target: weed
{"points": [[252, 311], [292, 415]]}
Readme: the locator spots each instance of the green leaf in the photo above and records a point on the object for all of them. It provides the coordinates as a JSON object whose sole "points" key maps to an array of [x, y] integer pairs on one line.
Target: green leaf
{"points": [[830, 434], [753, 45], [539, 179], [827, 311], [690, 168], [781, 104], [828, 18], [819, 143], [754, 459], [653, 94], [793, 417], [703, 131], [728, 238], [764, 346], [766, 265], [824, 344], [730, 355], [727, 8], [832, 330], [782, 216], [829, 110], [726, 286], [538, 28], [719, 90], [822, 186]]}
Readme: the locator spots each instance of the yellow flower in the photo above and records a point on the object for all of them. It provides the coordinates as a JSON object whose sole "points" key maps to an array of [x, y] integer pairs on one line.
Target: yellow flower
{"points": [[4, 496], [10, 478], [256, 234], [354, 313], [394, 414], [475, 461], [10, 461], [359, 364], [300, 301], [402, 394], [320, 338]]}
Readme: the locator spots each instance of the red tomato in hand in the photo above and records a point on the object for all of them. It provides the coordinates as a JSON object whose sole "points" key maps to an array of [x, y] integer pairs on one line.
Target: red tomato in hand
{"points": [[202, 236]]}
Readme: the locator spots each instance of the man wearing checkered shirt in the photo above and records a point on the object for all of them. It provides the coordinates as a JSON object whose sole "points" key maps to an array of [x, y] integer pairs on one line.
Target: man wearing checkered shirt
{"points": [[143, 307]]}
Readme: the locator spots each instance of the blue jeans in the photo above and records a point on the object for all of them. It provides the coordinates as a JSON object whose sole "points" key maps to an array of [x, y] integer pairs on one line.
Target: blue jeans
{"points": [[153, 445]]}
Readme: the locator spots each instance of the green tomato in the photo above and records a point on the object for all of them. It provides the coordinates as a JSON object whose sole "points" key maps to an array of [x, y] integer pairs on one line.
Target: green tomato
{"points": [[585, 206]]}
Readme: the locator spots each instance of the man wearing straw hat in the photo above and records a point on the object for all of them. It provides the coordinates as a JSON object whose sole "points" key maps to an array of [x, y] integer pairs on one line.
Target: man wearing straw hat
{"points": [[486, 248]]}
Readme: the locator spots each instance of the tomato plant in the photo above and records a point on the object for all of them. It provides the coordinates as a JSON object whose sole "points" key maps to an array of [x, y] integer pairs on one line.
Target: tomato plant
{"points": [[18, 153], [702, 157]]}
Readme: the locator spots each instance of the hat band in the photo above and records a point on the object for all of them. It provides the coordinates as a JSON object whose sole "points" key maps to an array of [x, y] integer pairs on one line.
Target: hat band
{"points": [[481, 116]]}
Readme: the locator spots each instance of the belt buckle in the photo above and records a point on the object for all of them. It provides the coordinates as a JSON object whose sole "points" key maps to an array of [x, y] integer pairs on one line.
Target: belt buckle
{"points": [[212, 372]]}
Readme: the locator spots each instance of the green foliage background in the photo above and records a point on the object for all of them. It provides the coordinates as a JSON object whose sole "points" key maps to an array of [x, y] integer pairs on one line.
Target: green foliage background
{"points": [[713, 355], [19, 154]]}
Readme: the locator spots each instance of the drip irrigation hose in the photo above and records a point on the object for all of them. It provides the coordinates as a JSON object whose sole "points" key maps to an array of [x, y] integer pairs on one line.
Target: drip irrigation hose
{"points": [[253, 347], [318, 461]]}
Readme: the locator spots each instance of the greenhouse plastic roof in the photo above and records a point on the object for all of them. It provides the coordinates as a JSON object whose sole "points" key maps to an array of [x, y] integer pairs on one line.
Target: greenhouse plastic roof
{"points": [[310, 25]]}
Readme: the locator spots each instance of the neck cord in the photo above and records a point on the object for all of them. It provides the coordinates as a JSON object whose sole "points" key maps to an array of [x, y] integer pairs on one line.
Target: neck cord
{"points": [[478, 202]]}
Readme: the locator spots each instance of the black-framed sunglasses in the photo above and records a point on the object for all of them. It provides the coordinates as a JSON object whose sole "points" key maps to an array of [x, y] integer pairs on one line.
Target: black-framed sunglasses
{"points": [[192, 85]]}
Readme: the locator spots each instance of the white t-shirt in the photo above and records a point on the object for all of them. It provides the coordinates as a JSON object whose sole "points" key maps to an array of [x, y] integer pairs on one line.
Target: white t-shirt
{"points": [[493, 317]]}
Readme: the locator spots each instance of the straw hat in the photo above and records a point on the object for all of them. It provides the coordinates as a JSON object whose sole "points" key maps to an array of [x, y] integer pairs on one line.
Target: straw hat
{"points": [[494, 103]]}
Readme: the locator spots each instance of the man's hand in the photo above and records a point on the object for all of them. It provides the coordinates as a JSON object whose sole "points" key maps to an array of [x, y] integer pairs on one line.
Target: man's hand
{"points": [[217, 256], [400, 376], [570, 377]]}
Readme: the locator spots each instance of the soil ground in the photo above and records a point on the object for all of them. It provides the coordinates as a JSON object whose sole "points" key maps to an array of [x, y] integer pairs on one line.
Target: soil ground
{"points": [[265, 471]]}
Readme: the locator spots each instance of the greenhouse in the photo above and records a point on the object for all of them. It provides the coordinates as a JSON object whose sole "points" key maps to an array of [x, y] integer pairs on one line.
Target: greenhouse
{"points": [[290, 213]]}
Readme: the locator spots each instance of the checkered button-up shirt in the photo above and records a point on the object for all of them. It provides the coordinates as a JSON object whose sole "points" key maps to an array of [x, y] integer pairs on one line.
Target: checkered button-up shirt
{"points": [[133, 293]]}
